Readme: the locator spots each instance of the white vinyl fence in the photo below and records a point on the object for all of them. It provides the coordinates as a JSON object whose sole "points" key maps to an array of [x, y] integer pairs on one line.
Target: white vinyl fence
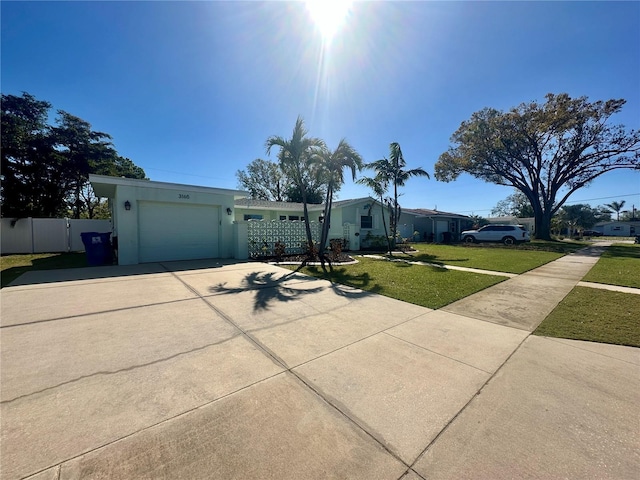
{"points": [[47, 235]]}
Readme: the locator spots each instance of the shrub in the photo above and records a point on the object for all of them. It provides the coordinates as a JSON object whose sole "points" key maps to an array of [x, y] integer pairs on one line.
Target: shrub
{"points": [[310, 251], [335, 246], [279, 250]]}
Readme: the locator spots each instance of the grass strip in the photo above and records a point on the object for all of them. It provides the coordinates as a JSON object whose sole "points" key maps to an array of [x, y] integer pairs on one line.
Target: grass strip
{"points": [[515, 259], [596, 316], [430, 287], [12, 266], [619, 265]]}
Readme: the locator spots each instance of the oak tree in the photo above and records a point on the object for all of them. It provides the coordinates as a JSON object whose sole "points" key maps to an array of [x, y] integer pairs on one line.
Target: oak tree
{"points": [[546, 150]]}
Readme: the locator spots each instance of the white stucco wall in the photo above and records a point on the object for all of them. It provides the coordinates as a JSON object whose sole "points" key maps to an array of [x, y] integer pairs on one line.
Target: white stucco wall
{"points": [[126, 223]]}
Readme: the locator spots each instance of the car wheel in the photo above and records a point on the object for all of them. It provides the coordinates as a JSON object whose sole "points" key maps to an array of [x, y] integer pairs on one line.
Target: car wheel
{"points": [[469, 239], [509, 241]]}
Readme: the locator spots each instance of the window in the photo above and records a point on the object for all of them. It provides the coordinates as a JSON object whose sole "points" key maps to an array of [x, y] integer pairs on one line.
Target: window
{"points": [[252, 217], [366, 221], [283, 217], [294, 217]]}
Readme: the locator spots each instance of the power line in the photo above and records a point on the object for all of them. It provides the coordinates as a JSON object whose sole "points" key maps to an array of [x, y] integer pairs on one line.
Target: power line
{"points": [[566, 203], [604, 198]]}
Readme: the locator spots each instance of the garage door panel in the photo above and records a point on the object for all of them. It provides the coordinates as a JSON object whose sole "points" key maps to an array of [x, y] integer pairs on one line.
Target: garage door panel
{"points": [[169, 231]]}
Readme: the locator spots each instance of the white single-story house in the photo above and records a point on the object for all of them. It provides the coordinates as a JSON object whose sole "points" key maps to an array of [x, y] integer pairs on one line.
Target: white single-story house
{"points": [[157, 221], [618, 229], [362, 217], [358, 221]]}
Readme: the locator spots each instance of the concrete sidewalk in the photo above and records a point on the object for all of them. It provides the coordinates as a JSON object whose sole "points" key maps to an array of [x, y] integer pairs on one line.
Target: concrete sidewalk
{"points": [[221, 370]]}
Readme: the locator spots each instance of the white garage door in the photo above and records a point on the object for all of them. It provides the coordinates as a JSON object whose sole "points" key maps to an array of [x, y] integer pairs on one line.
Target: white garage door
{"points": [[175, 231]]}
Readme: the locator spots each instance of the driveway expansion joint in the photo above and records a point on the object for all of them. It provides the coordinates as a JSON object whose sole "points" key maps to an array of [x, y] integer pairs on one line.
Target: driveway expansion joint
{"points": [[436, 353], [100, 312], [121, 370], [466, 405], [578, 347], [287, 369]]}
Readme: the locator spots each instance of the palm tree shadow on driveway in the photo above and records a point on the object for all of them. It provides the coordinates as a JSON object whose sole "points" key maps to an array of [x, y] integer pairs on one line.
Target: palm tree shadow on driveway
{"points": [[270, 287]]}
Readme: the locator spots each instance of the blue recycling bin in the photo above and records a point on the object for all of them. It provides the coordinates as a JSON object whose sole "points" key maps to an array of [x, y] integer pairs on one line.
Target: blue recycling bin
{"points": [[98, 248]]}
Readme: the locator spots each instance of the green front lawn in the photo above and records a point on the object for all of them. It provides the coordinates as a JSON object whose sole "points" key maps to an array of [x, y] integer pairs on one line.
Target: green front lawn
{"points": [[517, 259], [596, 316], [12, 266], [431, 287], [619, 265]]}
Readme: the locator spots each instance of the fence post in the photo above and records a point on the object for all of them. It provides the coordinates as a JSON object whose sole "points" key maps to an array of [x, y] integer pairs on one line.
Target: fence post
{"points": [[68, 225], [33, 240]]}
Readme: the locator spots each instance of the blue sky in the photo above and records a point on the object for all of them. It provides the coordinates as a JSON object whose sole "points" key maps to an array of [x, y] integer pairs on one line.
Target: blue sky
{"points": [[190, 91]]}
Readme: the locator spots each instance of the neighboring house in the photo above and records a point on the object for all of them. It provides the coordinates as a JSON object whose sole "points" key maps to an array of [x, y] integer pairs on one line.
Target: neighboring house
{"points": [[430, 225], [618, 229], [528, 223]]}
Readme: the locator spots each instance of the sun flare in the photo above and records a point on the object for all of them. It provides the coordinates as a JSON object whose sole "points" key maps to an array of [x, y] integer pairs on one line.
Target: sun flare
{"points": [[328, 15]]}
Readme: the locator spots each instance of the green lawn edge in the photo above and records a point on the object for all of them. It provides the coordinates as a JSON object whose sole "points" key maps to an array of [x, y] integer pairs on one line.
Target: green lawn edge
{"points": [[595, 315]]}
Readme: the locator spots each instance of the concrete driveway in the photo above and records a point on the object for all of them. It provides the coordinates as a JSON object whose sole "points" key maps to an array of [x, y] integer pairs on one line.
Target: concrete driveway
{"points": [[246, 370]]}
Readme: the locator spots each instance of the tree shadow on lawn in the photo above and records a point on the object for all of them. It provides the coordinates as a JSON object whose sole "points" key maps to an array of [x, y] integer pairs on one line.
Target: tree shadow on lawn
{"points": [[440, 261], [51, 262], [428, 258], [626, 251], [339, 277], [270, 287]]}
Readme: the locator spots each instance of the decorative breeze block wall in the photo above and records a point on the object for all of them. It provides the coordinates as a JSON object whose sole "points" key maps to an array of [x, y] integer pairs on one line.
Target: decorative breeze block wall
{"points": [[263, 234]]}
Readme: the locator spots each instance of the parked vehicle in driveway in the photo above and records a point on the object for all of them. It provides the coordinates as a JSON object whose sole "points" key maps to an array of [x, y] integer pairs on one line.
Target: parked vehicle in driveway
{"points": [[591, 233], [507, 234]]}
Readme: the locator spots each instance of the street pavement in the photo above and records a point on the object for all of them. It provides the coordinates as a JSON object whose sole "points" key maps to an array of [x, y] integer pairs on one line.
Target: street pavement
{"points": [[216, 369]]}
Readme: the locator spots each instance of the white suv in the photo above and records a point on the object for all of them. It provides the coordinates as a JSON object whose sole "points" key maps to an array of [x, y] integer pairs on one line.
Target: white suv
{"points": [[507, 234]]}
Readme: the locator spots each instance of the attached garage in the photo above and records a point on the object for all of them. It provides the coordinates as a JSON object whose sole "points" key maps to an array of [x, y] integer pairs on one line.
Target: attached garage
{"points": [[173, 231], [161, 222]]}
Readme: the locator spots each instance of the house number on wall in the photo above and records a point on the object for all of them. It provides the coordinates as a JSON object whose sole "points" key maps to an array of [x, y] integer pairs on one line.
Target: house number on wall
{"points": [[183, 195]]}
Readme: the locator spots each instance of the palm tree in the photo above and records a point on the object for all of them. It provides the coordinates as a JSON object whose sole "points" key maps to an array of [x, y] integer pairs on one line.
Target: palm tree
{"points": [[392, 171], [334, 163], [379, 187], [294, 156], [616, 207]]}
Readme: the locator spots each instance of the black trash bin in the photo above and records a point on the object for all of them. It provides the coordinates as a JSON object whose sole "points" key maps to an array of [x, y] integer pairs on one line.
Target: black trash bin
{"points": [[98, 248], [446, 237]]}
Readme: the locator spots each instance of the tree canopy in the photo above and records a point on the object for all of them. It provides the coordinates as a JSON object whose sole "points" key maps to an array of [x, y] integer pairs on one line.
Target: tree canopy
{"points": [[516, 205], [266, 180], [547, 151], [45, 168], [581, 216]]}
